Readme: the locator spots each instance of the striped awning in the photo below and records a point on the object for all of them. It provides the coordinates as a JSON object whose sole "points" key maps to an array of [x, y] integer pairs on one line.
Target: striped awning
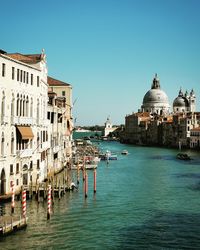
{"points": [[26, 132]]}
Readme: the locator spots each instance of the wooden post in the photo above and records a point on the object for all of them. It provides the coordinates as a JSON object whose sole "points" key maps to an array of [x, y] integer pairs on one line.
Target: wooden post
{"points": [[13, 197], [95, 175], [77, 173], [86, 184], [49, 203]]}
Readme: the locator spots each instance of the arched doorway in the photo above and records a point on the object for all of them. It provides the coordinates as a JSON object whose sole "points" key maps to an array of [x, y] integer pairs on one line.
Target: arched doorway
{"points": [[3, 182]]}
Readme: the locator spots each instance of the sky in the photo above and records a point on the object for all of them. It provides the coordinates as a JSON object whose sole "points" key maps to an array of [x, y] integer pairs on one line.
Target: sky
{"points": [[109, 50]]}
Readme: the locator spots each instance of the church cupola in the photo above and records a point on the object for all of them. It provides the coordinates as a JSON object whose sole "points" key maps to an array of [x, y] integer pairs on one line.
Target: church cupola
{"points": [[156, 83]]}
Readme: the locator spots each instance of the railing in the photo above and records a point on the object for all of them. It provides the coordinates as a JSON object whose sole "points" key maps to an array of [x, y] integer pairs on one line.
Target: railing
{"points": [[22, 120], [24, 153]]}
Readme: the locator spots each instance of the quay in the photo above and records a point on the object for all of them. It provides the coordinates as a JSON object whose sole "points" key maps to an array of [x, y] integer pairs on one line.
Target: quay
{"points": [[10, 224]]}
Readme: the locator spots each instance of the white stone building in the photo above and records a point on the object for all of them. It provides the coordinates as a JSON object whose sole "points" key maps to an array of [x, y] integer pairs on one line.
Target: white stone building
{"points": [[24, 126], [108, 127], [155, 100]]}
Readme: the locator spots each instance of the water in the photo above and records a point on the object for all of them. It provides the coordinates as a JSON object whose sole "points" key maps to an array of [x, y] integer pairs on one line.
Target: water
{"points": [[144, 200]]}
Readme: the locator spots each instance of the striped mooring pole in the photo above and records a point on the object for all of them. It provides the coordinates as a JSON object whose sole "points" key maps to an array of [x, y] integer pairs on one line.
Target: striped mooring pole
{"points": [[13, 197], [49, 203], [24, 203]]}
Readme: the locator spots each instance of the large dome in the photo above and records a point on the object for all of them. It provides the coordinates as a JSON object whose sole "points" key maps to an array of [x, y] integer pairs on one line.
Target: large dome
{"points": [[155, 96], [155, 100]]}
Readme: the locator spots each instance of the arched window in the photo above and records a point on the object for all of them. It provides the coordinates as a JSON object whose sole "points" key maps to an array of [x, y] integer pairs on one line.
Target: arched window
{"points": [[27, 107], [3, 105], [18, 105], [38, 110], [24, 106], [31, 108], [12, 143], [12, 105], [2, 144]]}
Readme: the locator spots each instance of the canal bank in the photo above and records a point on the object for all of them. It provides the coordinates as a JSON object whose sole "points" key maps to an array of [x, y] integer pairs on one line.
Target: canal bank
{"points": [[145, 200]]}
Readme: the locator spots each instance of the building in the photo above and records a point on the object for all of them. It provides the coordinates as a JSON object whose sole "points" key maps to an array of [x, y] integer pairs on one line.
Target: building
{"points": [[184, 102], [36, 122], [195, 138], [155, 100], [155, 125], [61, 122], [108, 127]]}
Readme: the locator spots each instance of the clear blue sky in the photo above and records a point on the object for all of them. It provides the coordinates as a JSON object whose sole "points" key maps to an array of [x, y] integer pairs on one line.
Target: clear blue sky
{"points": [[109, 50]]}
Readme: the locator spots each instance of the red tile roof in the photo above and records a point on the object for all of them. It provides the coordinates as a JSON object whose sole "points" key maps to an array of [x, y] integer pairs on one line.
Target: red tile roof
{"points": [[25, 58], [53, 82]]}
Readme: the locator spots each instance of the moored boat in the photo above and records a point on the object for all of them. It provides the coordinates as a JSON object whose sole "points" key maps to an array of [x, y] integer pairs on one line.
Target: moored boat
{"points": [[182, 156], [124, 152]]}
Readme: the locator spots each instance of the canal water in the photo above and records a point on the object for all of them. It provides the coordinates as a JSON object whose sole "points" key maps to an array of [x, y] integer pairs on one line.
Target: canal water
{"points": [[145, 200]]}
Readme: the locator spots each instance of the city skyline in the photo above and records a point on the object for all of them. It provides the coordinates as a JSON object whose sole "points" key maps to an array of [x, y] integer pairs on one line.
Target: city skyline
{"points": [[109, 50]]}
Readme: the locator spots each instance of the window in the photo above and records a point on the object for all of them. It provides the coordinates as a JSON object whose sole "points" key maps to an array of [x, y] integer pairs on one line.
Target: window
{"points": [[38, 81], [3, 69], [2, 144], [13, 73], [38, 164], [21, 75], [63, 93], [48, 115], [31, 165], [18, 75], [12, 144], [31, 79], [17, 182], [27, 77], [17, 168], [24, 77], [11, 169]]}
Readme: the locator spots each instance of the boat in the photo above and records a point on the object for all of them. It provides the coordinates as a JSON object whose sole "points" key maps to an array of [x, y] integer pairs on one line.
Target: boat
{"points": [[107, 156], [124, 152], [182, 156]]}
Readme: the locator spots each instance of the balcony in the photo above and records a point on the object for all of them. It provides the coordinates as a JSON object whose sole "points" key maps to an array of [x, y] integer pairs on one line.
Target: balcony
{"points": [[22, 120], [24, 153]]}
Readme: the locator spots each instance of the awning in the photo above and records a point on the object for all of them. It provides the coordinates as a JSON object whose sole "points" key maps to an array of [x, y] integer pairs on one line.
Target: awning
{"points": [[26, 132]]}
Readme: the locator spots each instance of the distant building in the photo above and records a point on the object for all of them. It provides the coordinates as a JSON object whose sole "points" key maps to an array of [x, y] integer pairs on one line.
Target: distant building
{"points": [[108, 127], [154, 125], [184, 102], [155, 100], [195, 138]]}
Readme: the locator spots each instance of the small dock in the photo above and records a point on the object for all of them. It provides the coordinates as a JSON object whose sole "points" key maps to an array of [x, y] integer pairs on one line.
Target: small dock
{"points": [[10, 224]]}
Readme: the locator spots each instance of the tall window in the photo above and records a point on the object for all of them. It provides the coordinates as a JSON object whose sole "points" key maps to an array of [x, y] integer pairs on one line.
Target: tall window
{"points": [[21, 75], [27, 106], [3, 69], [31, 79], [13, 73], [18, 75], [27, 77], [12, 144], [63, 93], [38, 81], [12, 105], [31, 108], [18, 104], [2, 144], [3, 106]]}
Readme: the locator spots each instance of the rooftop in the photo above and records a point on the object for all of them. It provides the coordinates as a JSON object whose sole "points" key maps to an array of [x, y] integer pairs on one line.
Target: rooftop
{"points": [[53, 82]]}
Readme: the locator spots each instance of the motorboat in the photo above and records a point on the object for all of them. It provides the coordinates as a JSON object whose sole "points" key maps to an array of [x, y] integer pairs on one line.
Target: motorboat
{"points": [[182, 156], [124, 152]]}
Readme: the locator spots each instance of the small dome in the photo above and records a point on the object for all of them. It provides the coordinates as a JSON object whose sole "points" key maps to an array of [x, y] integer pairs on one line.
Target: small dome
{"points": [[180, 101], [155, 96]]}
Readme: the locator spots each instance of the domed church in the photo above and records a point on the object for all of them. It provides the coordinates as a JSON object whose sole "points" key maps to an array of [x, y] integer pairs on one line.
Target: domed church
{"points": [[184, 102], [155, 100]]}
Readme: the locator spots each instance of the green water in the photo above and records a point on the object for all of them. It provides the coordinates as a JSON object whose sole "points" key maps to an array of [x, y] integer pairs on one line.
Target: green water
{"points": [[145, 200]]}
